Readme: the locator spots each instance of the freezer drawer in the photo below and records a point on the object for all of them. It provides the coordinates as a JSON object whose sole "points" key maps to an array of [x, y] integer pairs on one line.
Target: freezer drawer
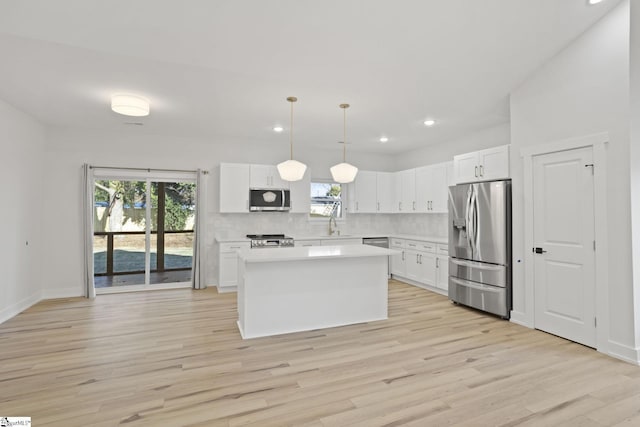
{"points": [[491, 299], [490, 274]]}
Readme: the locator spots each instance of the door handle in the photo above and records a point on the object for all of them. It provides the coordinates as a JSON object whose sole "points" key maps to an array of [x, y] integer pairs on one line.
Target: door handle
{"points": [[357, 206], [476, 173], [399, 206], [414, 205], [403, 255], [539, 251], [437, 262], [481, 170], [378, 205]]}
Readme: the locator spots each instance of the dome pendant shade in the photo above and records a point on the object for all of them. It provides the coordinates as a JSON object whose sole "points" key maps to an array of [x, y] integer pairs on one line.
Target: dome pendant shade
{"points": [[291, 170], [343, 173]]}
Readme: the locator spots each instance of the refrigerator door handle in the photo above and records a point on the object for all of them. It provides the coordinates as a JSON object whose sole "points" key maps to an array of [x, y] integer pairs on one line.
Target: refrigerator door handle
{"points": [[468, 219], [476, 222], [477, 286], [475, 264]]}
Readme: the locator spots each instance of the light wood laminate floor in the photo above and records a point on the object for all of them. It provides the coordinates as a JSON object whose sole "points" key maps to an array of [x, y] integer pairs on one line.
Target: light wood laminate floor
{"points": [[175, 358]]}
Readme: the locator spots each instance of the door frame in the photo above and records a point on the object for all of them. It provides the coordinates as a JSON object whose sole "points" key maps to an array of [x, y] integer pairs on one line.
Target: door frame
{"points": [[148, 176], [598, 143]]}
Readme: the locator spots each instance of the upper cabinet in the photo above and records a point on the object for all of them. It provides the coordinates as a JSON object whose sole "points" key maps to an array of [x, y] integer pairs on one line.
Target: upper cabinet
{"points": [[234, 187], [385, 192], [301, 194], [266, 176], [485, 165], [432, 183], [365, 190], [372, 192], [407, 191]]}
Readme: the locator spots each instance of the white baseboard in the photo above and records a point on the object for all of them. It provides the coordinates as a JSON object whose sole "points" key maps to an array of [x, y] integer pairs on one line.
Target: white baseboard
{"points": [[19, 307], [521, 319], [62, 293], [623, 352]]}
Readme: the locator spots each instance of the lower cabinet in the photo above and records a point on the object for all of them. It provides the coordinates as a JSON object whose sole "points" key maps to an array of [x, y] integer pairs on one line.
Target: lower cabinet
{"points": [[423, 263], [442, 267], [228, 265]]}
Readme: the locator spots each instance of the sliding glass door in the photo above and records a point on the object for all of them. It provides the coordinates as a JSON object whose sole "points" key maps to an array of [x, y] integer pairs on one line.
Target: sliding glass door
{"points": [[143, 233]]}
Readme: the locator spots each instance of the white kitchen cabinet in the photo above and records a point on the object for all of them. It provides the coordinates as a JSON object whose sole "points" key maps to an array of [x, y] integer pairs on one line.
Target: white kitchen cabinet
{"points": [[306, 243], [301, 194], [266, 176], [365, 192], [398, 261], [397, 193], [428, 270], [228, 265], [484, 165], [234, 187], [442, 267], [432, 192], [385, 192], [407, 191], [422, 263]]}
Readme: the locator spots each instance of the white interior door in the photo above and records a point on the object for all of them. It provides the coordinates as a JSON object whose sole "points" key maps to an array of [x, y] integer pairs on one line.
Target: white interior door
{"points": [[563, 227]]}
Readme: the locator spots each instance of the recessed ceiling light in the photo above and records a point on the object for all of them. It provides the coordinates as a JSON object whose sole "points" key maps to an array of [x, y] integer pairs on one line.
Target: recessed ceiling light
{"points": [[278, 128], [130, 105], [594, 1], [429, 122], [384, 139]]}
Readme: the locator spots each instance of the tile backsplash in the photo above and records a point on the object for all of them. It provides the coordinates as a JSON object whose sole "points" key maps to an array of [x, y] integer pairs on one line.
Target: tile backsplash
{"points": [[299, 225]]}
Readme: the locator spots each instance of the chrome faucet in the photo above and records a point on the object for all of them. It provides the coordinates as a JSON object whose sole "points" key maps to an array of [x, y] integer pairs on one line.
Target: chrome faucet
{"points": [[333, 229]]}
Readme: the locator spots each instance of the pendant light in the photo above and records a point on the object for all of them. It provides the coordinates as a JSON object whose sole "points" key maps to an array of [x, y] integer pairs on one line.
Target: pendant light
{"points": [[291, 170], [344, 173]]}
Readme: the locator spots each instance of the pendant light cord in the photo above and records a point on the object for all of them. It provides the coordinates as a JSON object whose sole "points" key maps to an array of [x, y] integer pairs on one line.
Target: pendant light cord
{"points": [[344, 138], [291, 132]]}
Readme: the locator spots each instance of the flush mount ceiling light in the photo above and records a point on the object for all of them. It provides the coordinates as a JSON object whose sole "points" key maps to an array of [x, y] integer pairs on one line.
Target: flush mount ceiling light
{"points": [[429, 122], [278, 129], [291, 170], [594, 1], [384, 139], [344, 173], [130, 105]]}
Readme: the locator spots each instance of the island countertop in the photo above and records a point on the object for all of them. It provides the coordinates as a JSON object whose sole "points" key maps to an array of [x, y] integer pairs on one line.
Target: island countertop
{"points": [[312, 252]]}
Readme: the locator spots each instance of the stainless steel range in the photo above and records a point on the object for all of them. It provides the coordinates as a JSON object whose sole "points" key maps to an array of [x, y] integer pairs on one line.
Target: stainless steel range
{"points": [[270, 241]]}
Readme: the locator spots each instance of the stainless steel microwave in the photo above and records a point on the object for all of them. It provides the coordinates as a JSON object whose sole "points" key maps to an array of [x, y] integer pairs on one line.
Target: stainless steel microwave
{"points": [[269, 199]]}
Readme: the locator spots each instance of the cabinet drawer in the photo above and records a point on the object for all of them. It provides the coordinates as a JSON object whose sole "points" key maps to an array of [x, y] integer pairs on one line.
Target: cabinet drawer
{"points": [[443, 249], [398, 243], [233, 246], [427, 247], [412, 244], [303, 243]]}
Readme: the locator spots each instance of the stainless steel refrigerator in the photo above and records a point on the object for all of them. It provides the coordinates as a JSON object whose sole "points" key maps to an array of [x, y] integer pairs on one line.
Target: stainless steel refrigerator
{"points": [[480, 246]]}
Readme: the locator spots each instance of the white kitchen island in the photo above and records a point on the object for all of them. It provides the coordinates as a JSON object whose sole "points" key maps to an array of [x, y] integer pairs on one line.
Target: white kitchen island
{"points": [[284, 290]]}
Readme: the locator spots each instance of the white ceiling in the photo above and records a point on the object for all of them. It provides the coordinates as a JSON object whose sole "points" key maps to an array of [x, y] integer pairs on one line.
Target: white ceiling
{"points": [[223, 69]]}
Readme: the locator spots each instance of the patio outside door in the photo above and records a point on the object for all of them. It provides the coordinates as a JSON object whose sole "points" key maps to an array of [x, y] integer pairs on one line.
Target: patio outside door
{"points": [[143, 234]]}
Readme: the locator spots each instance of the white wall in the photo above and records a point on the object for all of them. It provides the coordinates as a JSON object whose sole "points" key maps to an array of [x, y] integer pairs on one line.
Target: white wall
{"points": [[68, 149], [635, 156], [583, 90], [21, 174], [444, 152]]}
